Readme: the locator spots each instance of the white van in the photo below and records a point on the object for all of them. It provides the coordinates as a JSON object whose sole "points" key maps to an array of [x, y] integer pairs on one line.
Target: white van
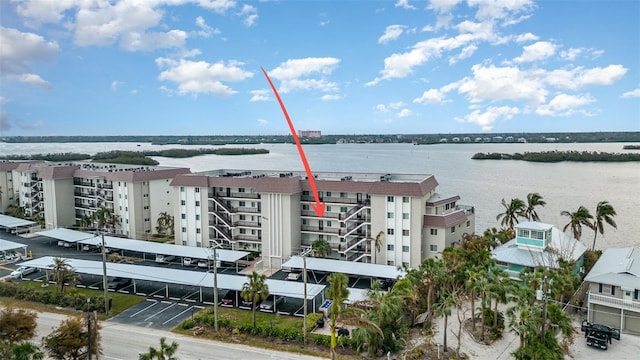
{"points": [[160, 258]]}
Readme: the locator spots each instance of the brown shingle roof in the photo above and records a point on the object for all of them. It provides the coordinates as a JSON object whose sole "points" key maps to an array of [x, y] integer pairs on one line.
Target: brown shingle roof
{"points": [[448, 220]]}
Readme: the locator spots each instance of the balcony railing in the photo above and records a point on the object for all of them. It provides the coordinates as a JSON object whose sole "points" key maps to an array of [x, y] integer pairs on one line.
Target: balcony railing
{"points": [[324, 230], [247, 223], [615, 302], [331, 215]]}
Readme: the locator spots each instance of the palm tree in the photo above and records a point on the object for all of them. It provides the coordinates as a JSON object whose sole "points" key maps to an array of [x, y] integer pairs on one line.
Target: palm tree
{"points": [[321, 248], [165, 224], [63, 273], [338, 293], [165, 352], [26, 351], [105, 219], [431, 273], [604, 214], [86, 221], [533, 200], [377, 244], [255, 290], [443, 308], [577, 219], [511, 212], [473, 284]]}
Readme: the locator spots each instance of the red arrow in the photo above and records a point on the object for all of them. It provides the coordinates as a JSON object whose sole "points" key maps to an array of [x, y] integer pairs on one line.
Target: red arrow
{"points": [[319, 206]]}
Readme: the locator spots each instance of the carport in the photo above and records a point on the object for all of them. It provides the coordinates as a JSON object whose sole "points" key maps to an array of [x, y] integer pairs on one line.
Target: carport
{"points": [[373, 271], [15, 225], [68, 235], [181, 277], [8, 247]]}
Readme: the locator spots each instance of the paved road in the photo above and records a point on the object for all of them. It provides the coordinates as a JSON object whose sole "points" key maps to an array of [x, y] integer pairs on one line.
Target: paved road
{"points": [[125, 342]]}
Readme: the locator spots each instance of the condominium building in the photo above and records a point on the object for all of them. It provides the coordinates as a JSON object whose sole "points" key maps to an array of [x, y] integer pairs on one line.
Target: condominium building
{"points": [[271, 212], [65, 194]]}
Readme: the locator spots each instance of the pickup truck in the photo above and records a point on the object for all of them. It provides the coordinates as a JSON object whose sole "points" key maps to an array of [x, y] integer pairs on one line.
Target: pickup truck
{"points": [[598, 335], [118, 283]]}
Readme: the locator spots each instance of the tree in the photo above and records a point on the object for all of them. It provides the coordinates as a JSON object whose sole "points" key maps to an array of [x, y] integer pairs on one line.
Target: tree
{"points": [[22, 351], [165, 352], [105, 219], [63, 273], [443, 308], [165, 224], [511, 212], [533, 200], [86, 221], [577, 219], [431, 272], [604, 214], [321, 248], [377, 244], [17, 325], [69, 340], [255, 290]]}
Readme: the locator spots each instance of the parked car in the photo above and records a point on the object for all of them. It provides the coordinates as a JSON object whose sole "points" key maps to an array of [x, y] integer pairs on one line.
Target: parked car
{"points": [[228, 299], [597, 339], [270, 304], [203, 264], [294, 276], [118, 283], [248, 304], [187, 262], [160, 258], [22, 271]]}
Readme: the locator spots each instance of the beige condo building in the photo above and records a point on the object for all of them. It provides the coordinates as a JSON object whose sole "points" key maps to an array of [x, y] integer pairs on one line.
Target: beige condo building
{"points": [[270, 212], [62, 194]]}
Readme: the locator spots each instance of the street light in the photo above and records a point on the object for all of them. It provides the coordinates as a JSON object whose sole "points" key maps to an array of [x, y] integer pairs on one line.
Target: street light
{"points": [[304, 300]]}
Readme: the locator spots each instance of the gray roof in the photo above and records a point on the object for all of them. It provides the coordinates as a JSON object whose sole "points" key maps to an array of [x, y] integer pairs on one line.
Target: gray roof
{"points": [[142, 246], [346, 267], [182, 277], [561, 246], [617, 266], [11, 222], [6, 245], [534, 225]]}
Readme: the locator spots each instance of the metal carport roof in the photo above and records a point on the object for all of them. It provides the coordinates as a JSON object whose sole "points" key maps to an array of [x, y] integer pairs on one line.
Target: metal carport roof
{"points": [[6, 245], [142, 246], [345, 267], [181, 277], [10, 222]]}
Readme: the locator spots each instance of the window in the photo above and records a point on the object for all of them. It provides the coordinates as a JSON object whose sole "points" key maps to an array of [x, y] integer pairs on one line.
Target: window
{"points": [[343, 195], [146, 219], [405, 232], [390, 247], [184, 242], [241, 190], [405, 249], [305, 207], [183, 216], [405, 216], [434, 231], [328, 208], [198, 204], [197, 189], [635, 294], [433, 248], [389, 215], [183, 202], [197, 231], [390, 199], [343, 209], [405, 199], [304, 221], [389, 231], [184, 229], [453, 229], [328, 223], [242, 203], [328, 193], [197, 217], [468, 223], [613, 290], [305, 193], [600, 288], [181, 187]]}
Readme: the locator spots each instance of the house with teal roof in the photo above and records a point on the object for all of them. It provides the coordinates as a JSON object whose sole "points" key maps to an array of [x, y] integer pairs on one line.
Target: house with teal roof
{"points": [[537, 245]]}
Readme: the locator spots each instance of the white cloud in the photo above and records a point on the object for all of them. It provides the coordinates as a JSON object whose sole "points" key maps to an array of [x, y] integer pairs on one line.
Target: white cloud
{"points": [[381, 108], [492, 114], [296, 74], [115, 84], [250, 15], [205, 30], [405, 5], [330, 97], [404, 113], [503, 83], [537, 51], [501, 9], [443, 6], [526, 37], [431, 96], [392, 32], [259, 95], [632, 94], [31, 79], [19, 49], [263, 122], [201, 77], [601, 76], [396, 105], [564, 105], [464, 54]]}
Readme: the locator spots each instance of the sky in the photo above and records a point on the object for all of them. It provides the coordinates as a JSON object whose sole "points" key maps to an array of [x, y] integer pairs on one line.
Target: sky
{"points": [[193, 67]]}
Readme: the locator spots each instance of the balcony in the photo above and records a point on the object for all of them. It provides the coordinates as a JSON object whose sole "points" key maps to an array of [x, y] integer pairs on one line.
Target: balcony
{"points": [[324, 230], [247, 223], [78, 182], [614, 302], [331, 215]]}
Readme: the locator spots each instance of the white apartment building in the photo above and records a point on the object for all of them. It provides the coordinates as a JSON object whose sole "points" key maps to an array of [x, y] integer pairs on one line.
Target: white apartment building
{"points": [[61, 194], [270, 212]]}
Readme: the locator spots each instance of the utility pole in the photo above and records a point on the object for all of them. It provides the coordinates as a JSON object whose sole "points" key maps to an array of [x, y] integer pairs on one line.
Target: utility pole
{"points": [[215, 288], [104, 277], [88, 330], [304, 300], [544, 304]]}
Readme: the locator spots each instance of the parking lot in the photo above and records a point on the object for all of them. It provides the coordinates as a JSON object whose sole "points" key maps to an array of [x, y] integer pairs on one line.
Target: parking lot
{"points": [[157, 314]]}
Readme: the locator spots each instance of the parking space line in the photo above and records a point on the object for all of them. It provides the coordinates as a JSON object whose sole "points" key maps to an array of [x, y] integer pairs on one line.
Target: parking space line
{"points": [[164, 323], [144, 309], [160, 312]]}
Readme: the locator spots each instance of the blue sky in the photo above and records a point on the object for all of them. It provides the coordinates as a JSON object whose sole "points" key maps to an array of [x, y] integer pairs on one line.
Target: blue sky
{"points": [[192, 67]]}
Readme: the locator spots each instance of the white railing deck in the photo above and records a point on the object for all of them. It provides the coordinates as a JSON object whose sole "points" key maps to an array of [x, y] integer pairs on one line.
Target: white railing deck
{"points": [[617, 302]]}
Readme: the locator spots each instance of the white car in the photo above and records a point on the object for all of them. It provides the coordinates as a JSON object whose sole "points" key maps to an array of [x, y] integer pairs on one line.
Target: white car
{"points": [[22, 271], [187, 262]]}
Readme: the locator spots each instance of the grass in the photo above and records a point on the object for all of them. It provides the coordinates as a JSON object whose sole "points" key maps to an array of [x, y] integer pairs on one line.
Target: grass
{"points": [[120, 302]]}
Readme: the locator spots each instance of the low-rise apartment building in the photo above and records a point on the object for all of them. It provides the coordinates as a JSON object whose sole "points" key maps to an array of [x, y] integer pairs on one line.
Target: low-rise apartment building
{"points": [[613, 296], [66, 194], [270, 212]]}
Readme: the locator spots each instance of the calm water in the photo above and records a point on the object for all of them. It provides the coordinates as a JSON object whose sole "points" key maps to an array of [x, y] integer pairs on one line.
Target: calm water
{"points": [[564, 186]]}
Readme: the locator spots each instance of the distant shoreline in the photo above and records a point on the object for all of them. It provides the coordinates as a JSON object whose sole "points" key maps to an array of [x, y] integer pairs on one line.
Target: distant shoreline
{"points": [[558, 156]]}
